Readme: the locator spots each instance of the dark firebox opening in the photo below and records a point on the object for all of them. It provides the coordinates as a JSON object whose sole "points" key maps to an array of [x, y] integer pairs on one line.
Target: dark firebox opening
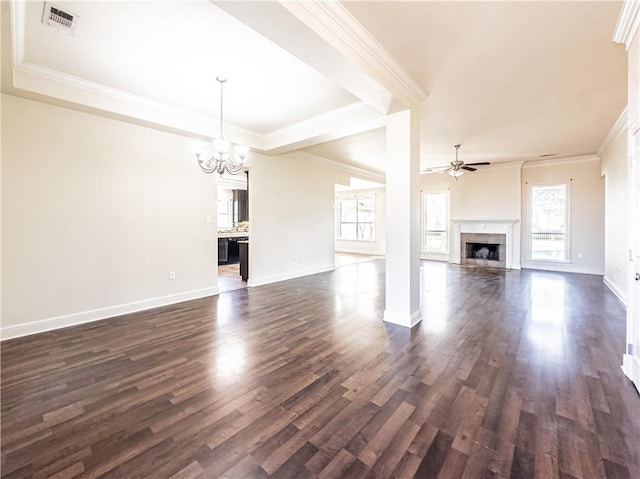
{"points": [[483, 251]]}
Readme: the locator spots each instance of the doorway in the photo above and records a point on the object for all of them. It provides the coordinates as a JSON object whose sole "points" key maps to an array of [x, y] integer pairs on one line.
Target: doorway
{"points": [[233, 231]]}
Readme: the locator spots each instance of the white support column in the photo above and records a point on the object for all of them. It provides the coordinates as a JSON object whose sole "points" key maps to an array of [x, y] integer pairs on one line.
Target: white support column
{"points": [[403, 219]]}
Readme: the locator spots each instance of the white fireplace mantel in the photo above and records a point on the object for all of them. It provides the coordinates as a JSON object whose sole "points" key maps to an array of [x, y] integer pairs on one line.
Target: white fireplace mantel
{"points": [[510, 228]]}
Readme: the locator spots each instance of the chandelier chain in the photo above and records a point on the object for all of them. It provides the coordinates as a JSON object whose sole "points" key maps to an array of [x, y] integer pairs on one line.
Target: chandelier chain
{"points": [[221, 81], [227, 157]]}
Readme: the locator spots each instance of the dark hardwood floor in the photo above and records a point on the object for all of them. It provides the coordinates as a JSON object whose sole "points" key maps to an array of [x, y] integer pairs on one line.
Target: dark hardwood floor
{"points": [[229, 278], [511, 374]]}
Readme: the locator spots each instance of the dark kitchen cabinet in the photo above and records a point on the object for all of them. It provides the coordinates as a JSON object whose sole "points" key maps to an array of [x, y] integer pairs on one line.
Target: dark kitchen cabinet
{"points": [[244, 259], [223, 250], [229, 250], [240, 206]]}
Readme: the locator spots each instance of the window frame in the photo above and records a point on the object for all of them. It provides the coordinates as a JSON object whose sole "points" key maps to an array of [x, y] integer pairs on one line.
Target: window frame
{"points": [[567, 222], [357, 222], [424, 229]]}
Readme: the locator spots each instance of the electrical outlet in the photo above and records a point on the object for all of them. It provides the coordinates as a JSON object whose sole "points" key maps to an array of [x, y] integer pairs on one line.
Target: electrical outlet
{"points": [[208, 219], [172, 275], [295, 259]]}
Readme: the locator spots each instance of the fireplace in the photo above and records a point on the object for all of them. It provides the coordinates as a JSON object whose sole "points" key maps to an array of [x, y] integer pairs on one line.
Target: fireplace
{"points": [[503, 232], [483, 249], [489, 251]]}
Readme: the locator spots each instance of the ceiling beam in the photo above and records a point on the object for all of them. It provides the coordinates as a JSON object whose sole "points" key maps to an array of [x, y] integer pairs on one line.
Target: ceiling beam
{"points": [[328, 38], [350, 120]]}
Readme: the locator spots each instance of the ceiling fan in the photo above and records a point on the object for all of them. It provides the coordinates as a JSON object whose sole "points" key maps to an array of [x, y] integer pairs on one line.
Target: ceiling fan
{"points": [[456, 168]]}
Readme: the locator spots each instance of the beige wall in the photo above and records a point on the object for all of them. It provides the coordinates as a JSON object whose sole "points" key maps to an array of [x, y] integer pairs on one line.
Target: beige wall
{"points": [[586, 217], [291, 212], [378, 246], [491, 193], [500, 192], [614, 169], [95, 214]]}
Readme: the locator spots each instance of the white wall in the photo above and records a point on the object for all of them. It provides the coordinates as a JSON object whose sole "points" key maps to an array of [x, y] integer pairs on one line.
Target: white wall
{"points": [[376, 247], [291, 211], [586, 216], [95, 214], [614, 169]]}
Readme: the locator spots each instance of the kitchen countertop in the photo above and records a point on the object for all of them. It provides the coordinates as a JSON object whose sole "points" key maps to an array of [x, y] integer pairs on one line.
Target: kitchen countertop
{"points": [[233, 234]]}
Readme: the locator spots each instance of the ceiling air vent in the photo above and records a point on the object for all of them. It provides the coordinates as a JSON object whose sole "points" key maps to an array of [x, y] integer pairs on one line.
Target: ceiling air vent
{"points": [[63, 20]]}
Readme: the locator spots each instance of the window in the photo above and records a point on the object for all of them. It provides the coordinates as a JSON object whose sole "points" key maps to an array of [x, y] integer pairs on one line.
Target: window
{"points": [[436, 237], [357, 218], [224, 218], [548, 222]]}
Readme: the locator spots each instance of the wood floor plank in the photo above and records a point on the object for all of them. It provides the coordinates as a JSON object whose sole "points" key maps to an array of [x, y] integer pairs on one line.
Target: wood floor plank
{"points": [[301, 378]]}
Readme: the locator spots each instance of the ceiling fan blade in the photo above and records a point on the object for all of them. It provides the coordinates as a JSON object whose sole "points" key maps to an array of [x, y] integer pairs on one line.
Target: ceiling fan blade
{"points": [[468, 168], [482, 163], [435, 169], [431, 168]]}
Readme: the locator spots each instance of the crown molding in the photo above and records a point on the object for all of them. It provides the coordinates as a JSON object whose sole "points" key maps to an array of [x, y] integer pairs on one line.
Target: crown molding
{"points": [[47, 85], [17, 10], [618, 128], [333, 22], [40, 83], [352, 169], [560, 161], [628, 23], [31, 80]]}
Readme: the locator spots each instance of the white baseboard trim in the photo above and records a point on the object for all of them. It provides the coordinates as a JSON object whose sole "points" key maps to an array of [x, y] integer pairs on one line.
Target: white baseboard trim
{"points": [[631, 369], [360, 251], [49, 324], [403, 320], [434, 257], [290, 275], [559, 267], [615, 290]]}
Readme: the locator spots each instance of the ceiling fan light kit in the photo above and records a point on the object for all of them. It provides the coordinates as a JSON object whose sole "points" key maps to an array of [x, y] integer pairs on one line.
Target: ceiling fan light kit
{"points": [[457, 167], [227, 157]]}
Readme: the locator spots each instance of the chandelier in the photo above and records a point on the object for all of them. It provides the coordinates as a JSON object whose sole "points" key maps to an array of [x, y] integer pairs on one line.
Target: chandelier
{"points": [[226, 156]]}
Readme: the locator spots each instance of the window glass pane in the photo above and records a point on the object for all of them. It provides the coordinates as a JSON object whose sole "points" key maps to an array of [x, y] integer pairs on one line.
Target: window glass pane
{"points": [[366, 231], [366, 216], [436, 211], [366, 210], [357, 218], [436, 222], [348, 231], [348, 210], [436, 241], [223, 214], [548, 228]]}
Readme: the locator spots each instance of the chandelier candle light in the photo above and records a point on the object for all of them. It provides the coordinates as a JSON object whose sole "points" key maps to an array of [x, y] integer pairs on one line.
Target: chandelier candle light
{"points": [[227, 156]]}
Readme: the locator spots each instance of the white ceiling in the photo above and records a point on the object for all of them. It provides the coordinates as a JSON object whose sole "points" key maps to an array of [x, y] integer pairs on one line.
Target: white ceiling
{"points": [[172, 52], [509, 80]]}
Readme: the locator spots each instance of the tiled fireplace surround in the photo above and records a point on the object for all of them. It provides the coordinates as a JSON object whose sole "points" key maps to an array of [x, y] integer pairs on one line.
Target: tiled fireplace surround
{"points": [[505, 233]]}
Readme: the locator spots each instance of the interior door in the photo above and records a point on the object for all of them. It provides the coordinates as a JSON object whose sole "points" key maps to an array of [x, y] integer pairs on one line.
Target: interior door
{"points": [[631, 362]]}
